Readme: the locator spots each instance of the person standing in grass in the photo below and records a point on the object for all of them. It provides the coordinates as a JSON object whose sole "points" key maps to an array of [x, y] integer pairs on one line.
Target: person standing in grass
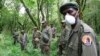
{"points": [[36, 38], [15, 36], [45, 39], [23, 40]]}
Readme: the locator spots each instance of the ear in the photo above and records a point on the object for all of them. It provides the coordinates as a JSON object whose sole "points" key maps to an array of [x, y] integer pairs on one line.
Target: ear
{"points": [[77, 14], [78, 11]]}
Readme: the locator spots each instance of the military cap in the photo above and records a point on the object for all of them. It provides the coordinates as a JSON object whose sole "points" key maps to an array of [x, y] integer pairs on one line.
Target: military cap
{"points": [[65, 6]]}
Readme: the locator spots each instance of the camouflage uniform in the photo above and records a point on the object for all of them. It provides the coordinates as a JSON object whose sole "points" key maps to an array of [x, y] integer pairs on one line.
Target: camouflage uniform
{"points": [[75, 45], [45, 41], [23, 40], [82, 39], [36, 38], [15, 37], [63, 38]]}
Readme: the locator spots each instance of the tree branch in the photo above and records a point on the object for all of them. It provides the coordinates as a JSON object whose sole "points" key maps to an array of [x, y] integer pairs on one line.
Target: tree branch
{"points": [[29, 14]]}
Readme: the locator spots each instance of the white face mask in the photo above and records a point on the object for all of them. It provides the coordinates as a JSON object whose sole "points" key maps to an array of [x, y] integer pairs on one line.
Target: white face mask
{"points": [[69, 19]]}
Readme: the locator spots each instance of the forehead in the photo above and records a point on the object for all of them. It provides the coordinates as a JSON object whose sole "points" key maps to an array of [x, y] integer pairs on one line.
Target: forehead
{"points": [[72, 9]]}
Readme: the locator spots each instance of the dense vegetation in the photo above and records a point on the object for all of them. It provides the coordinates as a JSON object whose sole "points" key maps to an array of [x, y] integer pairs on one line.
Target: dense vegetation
{"points": [[26, 14]]}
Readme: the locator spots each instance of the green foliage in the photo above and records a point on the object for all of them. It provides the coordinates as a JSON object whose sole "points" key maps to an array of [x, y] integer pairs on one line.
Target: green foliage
{"points": [[8, 49], [11, 19], [91, 14], [9, 14]]}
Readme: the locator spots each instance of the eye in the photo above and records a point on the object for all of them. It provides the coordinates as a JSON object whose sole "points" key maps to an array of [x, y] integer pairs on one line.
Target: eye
{"points": [[69, 11]]}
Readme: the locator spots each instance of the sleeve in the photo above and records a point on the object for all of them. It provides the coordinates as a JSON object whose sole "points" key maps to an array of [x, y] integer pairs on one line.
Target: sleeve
{"points": [[20, 40], [67, 35], [50, 34], [33, 34], [88, 45], [27, 38]]}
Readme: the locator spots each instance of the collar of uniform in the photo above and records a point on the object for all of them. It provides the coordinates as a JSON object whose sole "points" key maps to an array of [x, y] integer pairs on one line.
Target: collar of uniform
{"points": [[77, 26]]}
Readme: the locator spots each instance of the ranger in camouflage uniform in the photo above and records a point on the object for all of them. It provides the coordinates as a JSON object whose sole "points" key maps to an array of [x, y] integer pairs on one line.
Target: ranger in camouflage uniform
{"points": [[23, 40], [36, 37], [15, 36], [82, 39], [64, 35], [45, 39]]}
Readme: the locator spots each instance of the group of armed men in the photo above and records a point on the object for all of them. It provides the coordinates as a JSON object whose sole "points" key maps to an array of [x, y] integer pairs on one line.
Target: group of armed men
{"points": [[77, 40], [40, 39]]}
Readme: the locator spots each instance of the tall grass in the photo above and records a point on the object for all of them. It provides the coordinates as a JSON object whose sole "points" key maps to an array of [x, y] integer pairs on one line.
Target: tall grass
{"points": [[8, 49]]}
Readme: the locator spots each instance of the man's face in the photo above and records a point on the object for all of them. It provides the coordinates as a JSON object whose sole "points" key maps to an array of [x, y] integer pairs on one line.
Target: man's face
{"points": [[44, 24], [22, 32], [51, 25], [35, 29], [72, 12]]}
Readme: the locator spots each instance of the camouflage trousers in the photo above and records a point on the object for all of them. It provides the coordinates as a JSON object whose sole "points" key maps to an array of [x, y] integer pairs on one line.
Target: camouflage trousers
{"points": [[23, 46], [35, 44], [45, 50], [61, 50], [15, 40]]}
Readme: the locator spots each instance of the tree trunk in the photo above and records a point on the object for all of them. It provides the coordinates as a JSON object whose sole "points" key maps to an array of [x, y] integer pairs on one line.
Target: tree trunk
{"points": [[38, 7], [82, 4], [29, 14], [47, 11]]}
